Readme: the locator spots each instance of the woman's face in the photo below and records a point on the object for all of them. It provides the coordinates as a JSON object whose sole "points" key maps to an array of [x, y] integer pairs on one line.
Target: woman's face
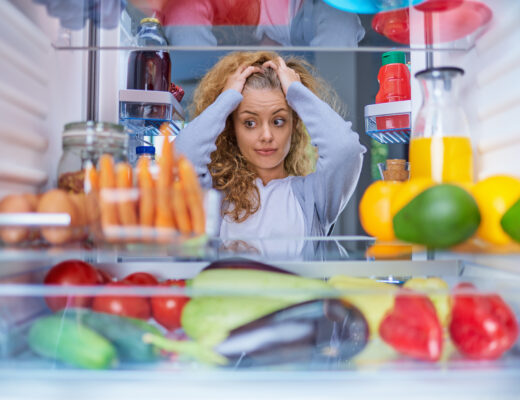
{"points": [[263, 125]]}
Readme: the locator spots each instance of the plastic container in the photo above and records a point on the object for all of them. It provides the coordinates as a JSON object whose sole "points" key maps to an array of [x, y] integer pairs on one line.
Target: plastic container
{"points": [[54, 217], [149, 205], [440, 144], [149, 69], [394, 85], [83, 144], [26, 300]]}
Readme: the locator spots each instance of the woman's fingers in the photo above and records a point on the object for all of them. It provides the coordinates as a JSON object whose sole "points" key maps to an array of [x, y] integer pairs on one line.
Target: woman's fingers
{"points": [[238, 78], [270, 64], [250, 70], [286, 74]]}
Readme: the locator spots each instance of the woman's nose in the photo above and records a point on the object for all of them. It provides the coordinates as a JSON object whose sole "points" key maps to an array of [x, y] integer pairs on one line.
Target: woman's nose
{"points": [[266, 135]]}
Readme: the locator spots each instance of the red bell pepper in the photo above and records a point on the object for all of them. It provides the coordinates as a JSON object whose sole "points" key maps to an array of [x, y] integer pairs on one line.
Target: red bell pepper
{"points": [[482, 325], [412, 327]]}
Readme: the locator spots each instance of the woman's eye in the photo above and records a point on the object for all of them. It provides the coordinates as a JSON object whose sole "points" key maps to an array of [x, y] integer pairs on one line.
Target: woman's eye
{"points": [[249, 124], [279, 122]]}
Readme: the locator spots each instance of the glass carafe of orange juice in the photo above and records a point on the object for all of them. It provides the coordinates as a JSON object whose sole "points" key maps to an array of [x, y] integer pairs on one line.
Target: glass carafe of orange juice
{"points": [[440, 145]]}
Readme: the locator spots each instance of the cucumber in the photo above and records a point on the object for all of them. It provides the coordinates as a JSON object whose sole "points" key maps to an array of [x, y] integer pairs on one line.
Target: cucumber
{"points": [[71, 342], [126, 334]]}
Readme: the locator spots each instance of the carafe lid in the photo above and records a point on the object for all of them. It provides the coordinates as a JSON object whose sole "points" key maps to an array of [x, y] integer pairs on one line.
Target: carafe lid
{"points": [[393, 57], [438, 72]]}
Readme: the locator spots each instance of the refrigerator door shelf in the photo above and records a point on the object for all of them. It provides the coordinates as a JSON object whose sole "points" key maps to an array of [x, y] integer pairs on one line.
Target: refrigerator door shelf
{"points": [[389, 123], [144, 111]]}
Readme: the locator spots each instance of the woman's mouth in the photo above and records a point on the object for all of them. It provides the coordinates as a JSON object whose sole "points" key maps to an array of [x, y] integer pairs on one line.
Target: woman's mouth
{"points": [[265, 152]]}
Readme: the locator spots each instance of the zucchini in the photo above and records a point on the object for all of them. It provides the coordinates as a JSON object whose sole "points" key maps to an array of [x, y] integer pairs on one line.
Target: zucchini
{"points": [[126, 334], [71, 342]]}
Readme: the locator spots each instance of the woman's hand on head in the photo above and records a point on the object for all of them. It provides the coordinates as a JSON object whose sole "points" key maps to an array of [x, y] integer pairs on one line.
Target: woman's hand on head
{"points": [[238, 78], [285, 74]]}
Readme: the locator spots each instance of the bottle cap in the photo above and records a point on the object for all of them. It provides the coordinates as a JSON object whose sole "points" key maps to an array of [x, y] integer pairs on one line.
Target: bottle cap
{"points": [[150, 19], [393, 57], [140, 150]]}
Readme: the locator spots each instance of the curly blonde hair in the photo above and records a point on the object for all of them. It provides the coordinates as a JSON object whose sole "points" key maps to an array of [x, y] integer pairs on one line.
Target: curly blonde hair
{"points": [[230, 171]]}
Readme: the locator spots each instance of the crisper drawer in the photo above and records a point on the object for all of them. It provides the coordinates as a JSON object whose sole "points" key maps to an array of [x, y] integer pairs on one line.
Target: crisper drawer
{"points": [[283, 330]]}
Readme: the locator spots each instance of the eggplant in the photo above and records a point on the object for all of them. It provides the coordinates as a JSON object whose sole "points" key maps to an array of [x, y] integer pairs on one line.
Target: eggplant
{"points": [[321, 332], [244, 263]]}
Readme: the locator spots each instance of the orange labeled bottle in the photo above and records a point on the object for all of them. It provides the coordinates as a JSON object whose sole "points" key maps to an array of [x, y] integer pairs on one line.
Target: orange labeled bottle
{"points": [[394, 85], [440, 144]]}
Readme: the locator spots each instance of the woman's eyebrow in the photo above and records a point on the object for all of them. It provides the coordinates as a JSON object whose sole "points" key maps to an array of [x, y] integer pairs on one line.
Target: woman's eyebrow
{"points": [[280, 109], [254, 113]]}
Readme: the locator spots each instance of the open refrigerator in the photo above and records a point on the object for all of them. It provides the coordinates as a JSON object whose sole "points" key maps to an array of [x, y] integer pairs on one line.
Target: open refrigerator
{"points": [[54, 74]]}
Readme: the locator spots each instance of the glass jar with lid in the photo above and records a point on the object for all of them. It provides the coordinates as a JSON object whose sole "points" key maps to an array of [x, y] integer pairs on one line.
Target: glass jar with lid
{"points": [[83, 145]]}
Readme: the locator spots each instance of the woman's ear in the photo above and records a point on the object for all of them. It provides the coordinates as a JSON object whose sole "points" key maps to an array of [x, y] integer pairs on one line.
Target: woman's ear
{"points": [[295, 120]]}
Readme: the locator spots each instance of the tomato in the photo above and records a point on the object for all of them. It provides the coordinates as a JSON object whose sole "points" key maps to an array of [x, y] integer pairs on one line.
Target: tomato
{"points": [[71, 272], [482, 325], [167, 310], [124, 305], [141, 278], [412, 327], [104, 276]]}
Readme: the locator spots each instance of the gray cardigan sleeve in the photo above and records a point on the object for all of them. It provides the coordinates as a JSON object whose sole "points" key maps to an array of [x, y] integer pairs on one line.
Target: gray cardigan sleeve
{"points": [[340, 157], [197, 140]]}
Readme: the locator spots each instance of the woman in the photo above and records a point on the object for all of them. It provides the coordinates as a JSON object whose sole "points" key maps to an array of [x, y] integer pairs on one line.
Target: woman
{"points": [[249, 141]]}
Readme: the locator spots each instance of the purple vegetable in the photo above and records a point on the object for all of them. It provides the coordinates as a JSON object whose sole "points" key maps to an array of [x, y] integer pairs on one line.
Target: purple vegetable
{"points": [[244, 263], [321, 332]]}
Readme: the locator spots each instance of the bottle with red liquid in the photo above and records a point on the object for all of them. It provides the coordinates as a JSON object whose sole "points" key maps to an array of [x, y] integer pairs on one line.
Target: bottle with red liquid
{"points": [[394, 85], [149, 69]]}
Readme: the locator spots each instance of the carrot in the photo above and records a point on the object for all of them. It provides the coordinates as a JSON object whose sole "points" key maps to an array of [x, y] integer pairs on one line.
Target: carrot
{"points": [[164, 215], [92, 178], [92, 193], [107, 180], [126, 206], [180, 209], [193, 194], [146, 196]]}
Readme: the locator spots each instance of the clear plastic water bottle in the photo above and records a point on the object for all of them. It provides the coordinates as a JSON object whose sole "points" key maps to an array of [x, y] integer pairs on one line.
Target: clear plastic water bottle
{"points": [[145, 151]]}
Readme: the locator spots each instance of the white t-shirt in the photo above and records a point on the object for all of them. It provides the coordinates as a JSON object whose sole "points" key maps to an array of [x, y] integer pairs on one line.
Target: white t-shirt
{"points": [[278, 221]]}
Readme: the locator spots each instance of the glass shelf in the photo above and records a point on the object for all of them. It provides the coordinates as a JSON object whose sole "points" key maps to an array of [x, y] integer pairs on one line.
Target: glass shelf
{"points": [[203, 25]]}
